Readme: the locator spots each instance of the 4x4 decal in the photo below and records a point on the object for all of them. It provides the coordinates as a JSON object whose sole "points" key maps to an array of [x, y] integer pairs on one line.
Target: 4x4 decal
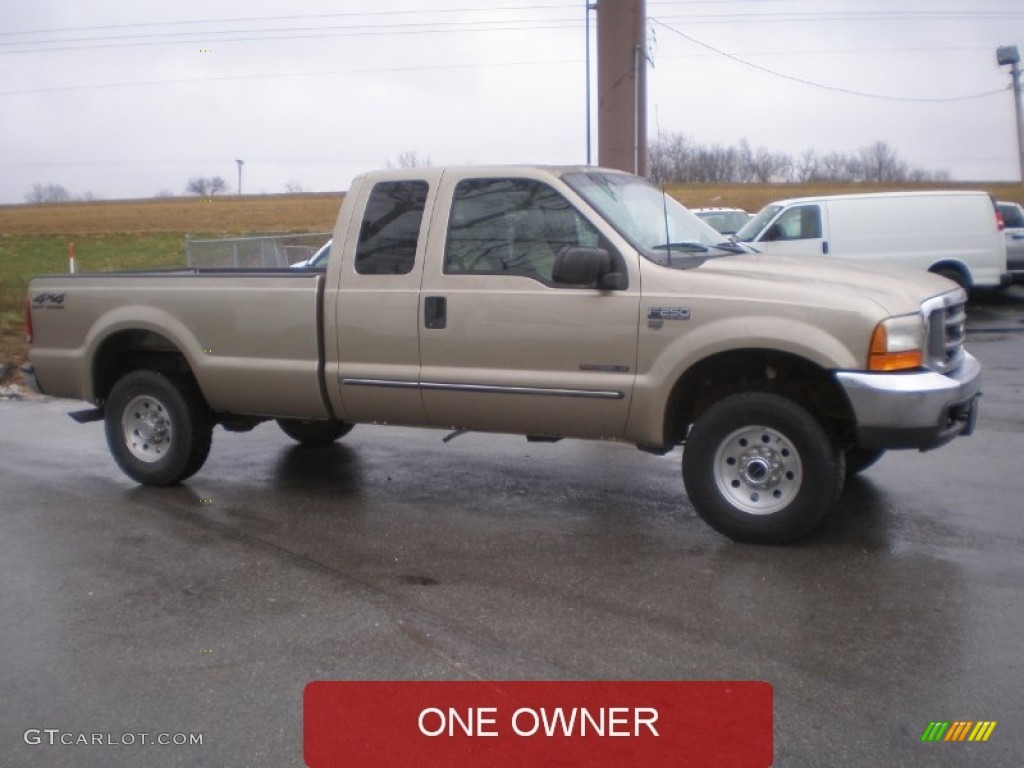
{"points": [[49, 301]]}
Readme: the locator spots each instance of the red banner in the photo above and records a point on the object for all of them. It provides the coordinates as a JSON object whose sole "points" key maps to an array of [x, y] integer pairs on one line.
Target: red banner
{"points": [[521, 723]]}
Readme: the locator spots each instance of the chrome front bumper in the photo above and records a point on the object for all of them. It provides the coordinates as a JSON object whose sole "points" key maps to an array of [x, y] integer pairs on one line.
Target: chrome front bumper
{"points": [[920, 410]]}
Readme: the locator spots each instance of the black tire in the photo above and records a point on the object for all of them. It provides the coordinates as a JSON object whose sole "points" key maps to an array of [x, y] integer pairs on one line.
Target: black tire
{"points": [[158, 427], [761, 469], [858, 459], [314, 432]]}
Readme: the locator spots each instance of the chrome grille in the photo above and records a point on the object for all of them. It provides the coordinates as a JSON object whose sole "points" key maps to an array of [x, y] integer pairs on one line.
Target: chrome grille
{"points": [[945, 318]]}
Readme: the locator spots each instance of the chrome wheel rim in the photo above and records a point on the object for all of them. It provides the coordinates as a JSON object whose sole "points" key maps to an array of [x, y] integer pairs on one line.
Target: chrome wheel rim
{"points": [[758, 470], [146, 427]]}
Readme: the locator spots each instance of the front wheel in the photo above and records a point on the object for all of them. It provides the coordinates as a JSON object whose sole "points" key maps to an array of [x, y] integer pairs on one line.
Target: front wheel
{"points": [[759, 468], [858, 459], [158, 427], [314, 432]]}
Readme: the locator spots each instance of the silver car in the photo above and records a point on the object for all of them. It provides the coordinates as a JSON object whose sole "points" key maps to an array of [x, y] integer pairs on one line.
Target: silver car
{"points": [[1013, 218]]}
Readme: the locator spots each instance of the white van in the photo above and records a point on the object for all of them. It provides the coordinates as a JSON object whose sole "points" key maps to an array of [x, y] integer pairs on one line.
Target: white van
{"points": [[954, 234]]}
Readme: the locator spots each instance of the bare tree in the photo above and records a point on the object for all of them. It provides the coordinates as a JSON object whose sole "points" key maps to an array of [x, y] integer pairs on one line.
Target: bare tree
{"points": [[47, 193], [409, 159], [881, 163], [206, 187], [198, 185], [836, 166], [676, 159], [808, 167], [667, 159], [293, 188], [714, 164], [764, 166]]}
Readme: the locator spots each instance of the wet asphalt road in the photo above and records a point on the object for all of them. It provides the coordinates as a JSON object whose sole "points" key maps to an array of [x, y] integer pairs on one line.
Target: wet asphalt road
{"points": [[206, 608]]}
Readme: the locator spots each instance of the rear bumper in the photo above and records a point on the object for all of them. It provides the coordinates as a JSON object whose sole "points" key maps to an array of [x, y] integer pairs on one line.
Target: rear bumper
{"points": [[920, 410]]}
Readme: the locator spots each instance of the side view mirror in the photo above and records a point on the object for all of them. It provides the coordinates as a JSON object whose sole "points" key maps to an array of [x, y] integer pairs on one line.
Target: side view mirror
{"points": [[589, 267]]}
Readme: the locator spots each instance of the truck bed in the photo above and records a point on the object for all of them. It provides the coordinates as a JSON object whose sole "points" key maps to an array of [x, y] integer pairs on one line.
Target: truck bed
{"points": [[228, 323]]}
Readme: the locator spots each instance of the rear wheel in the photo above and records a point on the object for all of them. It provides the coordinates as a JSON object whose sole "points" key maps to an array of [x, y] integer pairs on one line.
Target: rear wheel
{"points": [[158, 427], [314, 432], [759, 468]]}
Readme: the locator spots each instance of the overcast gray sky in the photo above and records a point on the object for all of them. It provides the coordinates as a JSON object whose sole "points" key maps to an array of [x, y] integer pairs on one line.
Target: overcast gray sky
{"points": [[129, 98]]}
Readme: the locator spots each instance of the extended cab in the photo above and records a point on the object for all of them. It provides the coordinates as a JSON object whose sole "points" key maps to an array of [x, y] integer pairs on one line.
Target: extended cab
{"points": [[546, 302]]}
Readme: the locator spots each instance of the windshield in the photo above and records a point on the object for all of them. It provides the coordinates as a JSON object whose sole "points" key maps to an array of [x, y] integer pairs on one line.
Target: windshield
{"points": [[753, 228], [649, 219]]}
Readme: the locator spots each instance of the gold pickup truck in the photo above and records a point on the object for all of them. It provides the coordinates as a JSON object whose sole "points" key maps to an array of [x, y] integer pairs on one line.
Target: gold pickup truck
{"points": [[547, 302]]}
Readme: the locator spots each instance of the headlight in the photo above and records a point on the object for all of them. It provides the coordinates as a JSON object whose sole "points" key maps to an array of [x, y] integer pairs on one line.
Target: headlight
{"points": [[897, 344]]}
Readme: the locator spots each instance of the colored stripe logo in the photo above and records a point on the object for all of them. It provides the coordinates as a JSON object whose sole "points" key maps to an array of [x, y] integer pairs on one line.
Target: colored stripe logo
{"points": [[959, 730]]}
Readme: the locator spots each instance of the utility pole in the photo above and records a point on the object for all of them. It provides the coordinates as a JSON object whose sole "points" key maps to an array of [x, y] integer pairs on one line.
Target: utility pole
{"points": [[240, 164], [622, 85], [589, 6], [1008, 54]]}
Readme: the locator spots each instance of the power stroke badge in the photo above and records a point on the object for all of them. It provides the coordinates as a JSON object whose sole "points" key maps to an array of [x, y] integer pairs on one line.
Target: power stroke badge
{"points": [[656, 316]]}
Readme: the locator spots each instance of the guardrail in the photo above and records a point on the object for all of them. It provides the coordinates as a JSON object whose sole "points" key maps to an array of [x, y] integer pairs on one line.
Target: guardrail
{"points": [[253, 252]]}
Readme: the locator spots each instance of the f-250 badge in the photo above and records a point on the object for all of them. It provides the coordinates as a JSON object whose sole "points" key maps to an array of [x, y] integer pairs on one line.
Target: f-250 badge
{"points": [[49, 301]]}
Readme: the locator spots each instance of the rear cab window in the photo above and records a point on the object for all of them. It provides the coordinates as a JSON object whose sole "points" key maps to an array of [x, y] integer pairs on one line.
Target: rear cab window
{"points": [[390, 228]]}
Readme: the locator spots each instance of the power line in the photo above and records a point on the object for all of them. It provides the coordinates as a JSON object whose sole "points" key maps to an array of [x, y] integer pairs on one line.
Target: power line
{"points": [[971, 13], [272, 75], [271, 34], [843, 16], [355, 29], [245, 19], [180, 37], [823, 86], [834, 51]]}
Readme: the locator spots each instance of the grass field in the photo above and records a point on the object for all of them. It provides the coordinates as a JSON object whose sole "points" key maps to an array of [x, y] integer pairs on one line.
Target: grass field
{"points": [[263, 214], [150, 233]]}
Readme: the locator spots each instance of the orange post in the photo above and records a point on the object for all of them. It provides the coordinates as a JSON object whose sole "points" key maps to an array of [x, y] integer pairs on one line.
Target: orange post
{"points": [[71, 258]]}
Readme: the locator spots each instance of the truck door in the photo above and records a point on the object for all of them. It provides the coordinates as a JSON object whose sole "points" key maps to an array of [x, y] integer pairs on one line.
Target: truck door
{"points": [[505, 348], [798, 231], [377, 304]]}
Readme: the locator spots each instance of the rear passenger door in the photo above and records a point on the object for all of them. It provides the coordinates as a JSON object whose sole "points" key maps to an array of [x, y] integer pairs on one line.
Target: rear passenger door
{"points": [[505, 348], [377, 302]]}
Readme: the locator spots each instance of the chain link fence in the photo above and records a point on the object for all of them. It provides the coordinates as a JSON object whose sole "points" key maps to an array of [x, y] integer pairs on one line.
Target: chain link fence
{"points": [[253, 252]]}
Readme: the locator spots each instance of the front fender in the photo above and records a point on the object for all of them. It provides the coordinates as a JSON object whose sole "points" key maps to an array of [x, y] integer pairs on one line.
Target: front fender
{"points": [[668, 359]]}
